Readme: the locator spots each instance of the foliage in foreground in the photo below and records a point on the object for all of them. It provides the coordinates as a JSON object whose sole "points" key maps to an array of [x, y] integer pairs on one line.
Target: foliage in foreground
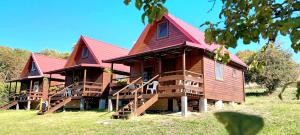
{"points": [[240, 123]]}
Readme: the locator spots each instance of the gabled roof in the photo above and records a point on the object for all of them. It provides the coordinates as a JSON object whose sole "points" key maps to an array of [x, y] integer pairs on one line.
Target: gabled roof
{"points": [[196, 36], [43, 64], [100, 51]]}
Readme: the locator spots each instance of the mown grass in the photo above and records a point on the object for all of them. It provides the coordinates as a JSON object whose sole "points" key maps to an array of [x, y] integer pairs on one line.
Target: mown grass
{"points": [[281, 117]]}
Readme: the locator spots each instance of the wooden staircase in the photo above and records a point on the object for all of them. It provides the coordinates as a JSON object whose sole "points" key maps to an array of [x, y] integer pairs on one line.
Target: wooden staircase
{"points": [[9, 105], [128, 110], [58, 100], [140, 102]]}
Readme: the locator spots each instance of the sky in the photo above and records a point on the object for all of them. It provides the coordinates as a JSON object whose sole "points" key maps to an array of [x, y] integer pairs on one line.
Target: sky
{"points": [[57, 24]]}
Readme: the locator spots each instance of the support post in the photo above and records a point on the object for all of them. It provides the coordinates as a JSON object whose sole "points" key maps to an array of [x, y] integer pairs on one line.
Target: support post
{"points": [[84, 79], [17, 106], [81, 104], [184, 105], [219, 104], [117, 102], [45, 89], [50, 78], [16, 86], [159, 66], [9, 88], [183, 69], [28, 105], [202, 104], [110, 106], [111, 78]]}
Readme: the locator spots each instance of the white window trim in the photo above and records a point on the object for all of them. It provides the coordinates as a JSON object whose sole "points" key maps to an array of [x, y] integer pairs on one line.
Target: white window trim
{"points": [[222, 67], [157, 30]]}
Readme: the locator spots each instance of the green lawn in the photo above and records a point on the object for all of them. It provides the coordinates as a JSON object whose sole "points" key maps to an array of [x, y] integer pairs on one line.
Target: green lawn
{"points": [[281, 117]]}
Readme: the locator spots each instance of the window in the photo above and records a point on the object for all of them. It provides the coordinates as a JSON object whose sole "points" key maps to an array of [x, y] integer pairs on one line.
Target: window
{"points": [[234, 73], [33, 67], [162, 30], [219, 71], [85, 52]]}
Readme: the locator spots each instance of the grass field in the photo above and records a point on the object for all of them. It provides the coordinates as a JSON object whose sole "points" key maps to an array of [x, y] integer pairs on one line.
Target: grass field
{"points": [[281, 117]]}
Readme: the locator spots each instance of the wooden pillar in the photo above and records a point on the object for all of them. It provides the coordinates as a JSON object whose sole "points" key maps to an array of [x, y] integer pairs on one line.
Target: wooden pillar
{"points": [[28, 104], [84, 79], [50, 78], [73, 80], [45, 89], [30, 89], [111, 77], [183, 69], [183, 62], [16, 86], [117, 102], [9, 89], [159, 66]]}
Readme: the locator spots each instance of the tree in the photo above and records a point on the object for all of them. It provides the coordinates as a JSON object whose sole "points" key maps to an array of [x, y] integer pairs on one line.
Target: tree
{"points": [[54, 53], [279, 68], [246, 20], [247, 56]]}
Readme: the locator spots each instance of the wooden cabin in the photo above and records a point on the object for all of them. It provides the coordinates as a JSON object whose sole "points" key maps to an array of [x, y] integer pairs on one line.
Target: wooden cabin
{"points": [[87, 77], [173, 54], [34, 83]]}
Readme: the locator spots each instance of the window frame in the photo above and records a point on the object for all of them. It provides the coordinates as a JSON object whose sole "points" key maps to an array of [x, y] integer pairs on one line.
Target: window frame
{"points": [[158, 30], [33, 67], [221, 78], [85, 53], [234, 73]]}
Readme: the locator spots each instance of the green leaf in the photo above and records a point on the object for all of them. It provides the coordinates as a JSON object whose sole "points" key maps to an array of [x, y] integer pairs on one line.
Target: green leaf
{"points": [[127, 2], [239, 123], [138, 4]]}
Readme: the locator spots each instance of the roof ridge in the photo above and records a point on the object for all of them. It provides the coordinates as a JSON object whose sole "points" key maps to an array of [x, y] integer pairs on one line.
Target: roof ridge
{"points": [[106, 43]]}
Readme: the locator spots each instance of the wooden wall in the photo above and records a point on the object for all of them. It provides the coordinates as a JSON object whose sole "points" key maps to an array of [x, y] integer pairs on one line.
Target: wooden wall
{"points": [[229, 89], [79, 60], [152, 42]]}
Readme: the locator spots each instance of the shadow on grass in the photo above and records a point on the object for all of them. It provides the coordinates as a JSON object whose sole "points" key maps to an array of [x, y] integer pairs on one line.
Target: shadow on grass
{"points": [[257, 94]]}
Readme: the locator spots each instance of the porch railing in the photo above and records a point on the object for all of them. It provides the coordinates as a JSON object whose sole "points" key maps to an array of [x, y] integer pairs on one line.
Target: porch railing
{"points": [[91, 88], [181, 81]]}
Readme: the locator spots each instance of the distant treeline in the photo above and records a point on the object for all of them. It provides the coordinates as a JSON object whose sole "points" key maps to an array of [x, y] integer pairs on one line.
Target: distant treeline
{"points": [[13, 60]]}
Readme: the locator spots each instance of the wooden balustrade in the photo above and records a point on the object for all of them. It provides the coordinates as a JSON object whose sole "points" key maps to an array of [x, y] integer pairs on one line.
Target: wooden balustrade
{"points": [[181, 81]]}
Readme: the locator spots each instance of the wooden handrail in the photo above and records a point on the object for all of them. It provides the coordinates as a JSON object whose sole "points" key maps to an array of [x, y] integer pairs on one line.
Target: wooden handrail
{"points": [[127, 86], [153, 78]]}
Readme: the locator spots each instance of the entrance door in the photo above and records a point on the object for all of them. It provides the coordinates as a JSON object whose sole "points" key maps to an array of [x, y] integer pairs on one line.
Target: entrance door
{"points": [[148, 73], [36, 86], [169, 65]]}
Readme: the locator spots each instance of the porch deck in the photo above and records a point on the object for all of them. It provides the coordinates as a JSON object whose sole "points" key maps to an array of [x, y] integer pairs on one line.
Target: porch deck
{"points": [[170, 84]]}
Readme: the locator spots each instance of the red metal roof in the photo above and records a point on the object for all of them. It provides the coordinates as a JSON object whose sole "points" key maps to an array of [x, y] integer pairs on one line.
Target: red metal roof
{"points": [[196, 36], [100, 51], [44, 64]]}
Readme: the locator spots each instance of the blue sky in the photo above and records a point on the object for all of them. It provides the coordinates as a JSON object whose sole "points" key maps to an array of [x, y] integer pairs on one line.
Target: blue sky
{"points": [[57, 24]]}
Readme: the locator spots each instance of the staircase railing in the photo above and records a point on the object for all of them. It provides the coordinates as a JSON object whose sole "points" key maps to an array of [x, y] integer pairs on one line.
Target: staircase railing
{"points": [[61, 92], [141, 88]]}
